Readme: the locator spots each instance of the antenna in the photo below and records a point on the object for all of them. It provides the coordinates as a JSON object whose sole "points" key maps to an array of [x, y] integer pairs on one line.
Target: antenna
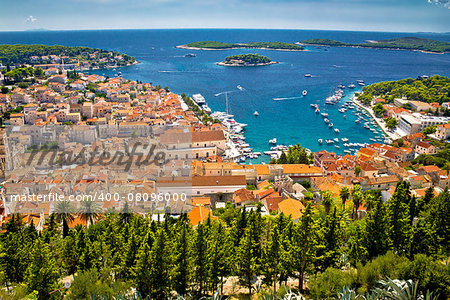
{"points": [[226, 102]]}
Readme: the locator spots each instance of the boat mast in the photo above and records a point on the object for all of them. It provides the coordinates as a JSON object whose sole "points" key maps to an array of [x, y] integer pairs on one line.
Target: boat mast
{"points": [[226, 103]]}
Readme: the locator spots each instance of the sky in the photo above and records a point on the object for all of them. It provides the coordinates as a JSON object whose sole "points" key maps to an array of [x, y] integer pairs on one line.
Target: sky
{"points": [[359, 15]]}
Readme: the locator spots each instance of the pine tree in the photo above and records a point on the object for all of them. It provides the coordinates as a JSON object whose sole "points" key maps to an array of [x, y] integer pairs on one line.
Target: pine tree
{"points": [[375, 236], [142, 271], [128, 258], [245, 262], [200, 260], [301, 251], [398, 218], [271, 257], [42, 273], [159, 262], [357, 198], [219, 248], [183, 264]]}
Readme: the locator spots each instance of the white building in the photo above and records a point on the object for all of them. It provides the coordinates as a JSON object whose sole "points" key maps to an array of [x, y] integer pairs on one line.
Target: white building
{"points": [[410, 124]]}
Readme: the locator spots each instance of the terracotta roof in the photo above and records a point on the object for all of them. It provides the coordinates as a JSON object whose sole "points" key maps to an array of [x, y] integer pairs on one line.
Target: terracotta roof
{"points": [[272, 202], [424, 144], [199, 214], [196, 201], [205, 136], [291, 207], [243, 195], [218, 180], [300, 169], [430, 168]]}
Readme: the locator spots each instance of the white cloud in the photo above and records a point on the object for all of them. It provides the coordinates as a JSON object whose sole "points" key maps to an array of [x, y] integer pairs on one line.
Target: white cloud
{"points": [[31, 19], [445, 3]]}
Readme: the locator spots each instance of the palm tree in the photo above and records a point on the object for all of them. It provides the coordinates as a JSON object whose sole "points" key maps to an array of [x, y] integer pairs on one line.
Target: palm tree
{"points": [[344, 193], [64, 211], [327, 201], [89, 211], [357, 197]]}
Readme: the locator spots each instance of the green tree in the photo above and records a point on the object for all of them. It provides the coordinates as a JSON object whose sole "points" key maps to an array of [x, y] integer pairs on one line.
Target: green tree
{"points": [[301, 251], [375, 238], [42, 273], [344, 193], [200, 259], [398, 218], [183, 263], [246, 262], [357, 197], [391, 123], [357, 171]]}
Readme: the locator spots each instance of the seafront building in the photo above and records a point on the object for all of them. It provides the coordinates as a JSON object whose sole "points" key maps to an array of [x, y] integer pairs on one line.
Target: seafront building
{"points": [[415, 122]]}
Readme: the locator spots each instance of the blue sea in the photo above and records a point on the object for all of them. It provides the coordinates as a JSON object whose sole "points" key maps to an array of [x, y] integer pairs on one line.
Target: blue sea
{"points": [[291, 121]]}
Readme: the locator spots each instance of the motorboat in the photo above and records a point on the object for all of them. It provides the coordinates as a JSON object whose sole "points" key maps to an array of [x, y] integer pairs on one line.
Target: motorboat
{"points": [[273, 141], [336, 130], [330, 125], [256, 113], [351, 86], [305, 92], [308, 75], [320, 141]]}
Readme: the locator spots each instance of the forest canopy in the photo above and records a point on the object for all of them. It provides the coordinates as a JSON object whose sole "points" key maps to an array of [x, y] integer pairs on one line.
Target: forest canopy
{"points": [[252, 45], [403, 43], [433, 89], [21, 54]]}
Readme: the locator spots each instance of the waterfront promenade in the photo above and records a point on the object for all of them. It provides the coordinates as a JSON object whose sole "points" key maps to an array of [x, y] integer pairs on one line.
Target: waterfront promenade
{"points": [[392, 135]]}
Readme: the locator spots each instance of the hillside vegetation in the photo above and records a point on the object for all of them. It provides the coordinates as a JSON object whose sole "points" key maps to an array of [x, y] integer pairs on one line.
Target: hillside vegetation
{"points": [[404, 43], [432, 89], [21, 54], [247, 59], [253, 45]]}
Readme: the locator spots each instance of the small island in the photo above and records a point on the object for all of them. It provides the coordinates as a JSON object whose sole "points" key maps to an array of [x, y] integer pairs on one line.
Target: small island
{"points": [[214, 45], [403, 43], [246, 60]]}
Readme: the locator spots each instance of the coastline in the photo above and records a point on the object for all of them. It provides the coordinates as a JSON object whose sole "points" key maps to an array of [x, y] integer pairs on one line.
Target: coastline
{"points": [[369, 47], [246, 65], [392, 135], [235, 48]]}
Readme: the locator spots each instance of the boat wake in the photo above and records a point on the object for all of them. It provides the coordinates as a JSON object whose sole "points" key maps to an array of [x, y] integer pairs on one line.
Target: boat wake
{"points": [[221, 93], [287, 98]]}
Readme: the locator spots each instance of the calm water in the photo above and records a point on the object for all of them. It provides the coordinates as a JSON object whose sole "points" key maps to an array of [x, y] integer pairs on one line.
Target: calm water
{"points": [[290, 121]]}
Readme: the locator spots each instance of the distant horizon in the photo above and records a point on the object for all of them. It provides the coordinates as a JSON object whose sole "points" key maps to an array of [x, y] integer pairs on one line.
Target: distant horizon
{"points": [[224, 28]]}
